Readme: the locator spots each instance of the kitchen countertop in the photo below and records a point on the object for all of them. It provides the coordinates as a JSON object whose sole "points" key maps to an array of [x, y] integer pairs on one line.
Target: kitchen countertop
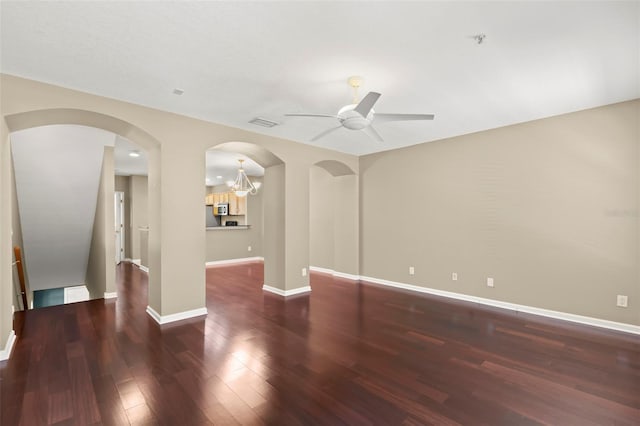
{"points": [[227, 228]]}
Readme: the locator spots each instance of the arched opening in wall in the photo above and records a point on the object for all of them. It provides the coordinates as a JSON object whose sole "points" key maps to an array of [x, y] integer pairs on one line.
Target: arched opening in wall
{"points": [[68, 167], [333, 218], [240, 226]]}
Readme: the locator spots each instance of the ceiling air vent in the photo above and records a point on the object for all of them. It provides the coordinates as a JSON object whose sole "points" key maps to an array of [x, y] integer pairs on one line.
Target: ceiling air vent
{"points": [[259, 121]]}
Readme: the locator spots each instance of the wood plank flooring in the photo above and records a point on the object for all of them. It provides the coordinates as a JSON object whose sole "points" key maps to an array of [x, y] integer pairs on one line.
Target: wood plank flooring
{"points": [[348, 353]]}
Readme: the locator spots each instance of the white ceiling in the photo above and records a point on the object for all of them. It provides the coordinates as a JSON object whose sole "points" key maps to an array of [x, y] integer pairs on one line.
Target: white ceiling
{"points": [[218, 163], [240, 60], [225, 164], [123, 163]]}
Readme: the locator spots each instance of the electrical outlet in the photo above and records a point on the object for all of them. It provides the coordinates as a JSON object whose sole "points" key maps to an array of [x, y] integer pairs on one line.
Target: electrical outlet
{"points": [[304, 272], [249, 248], [454, 276], [622, 301], [412, 270], [489, 282]]}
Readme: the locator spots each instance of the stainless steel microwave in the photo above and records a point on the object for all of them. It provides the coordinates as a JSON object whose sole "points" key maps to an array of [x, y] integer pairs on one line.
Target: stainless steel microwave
{"points": [[221, 209]]}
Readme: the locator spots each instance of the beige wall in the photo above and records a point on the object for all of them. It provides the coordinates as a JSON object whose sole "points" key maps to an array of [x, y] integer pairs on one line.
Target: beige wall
{"points": [[346, 229], [549, 209], [296, 216], [6, 256], [334, 215], [100, 276], [122, 185], [321, 217], [144, 248], [273, 242], [138, 209]]}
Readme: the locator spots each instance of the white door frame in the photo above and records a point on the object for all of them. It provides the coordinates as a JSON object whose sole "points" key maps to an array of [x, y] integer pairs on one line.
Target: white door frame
{"points": [[119, 225]]}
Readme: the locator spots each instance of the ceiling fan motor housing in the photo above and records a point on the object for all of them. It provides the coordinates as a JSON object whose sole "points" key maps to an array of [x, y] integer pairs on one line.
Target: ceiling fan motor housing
{"points": [[352, 119]]}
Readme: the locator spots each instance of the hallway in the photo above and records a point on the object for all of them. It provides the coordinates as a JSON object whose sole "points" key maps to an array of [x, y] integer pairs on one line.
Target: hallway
{"points": [[345, 354]]}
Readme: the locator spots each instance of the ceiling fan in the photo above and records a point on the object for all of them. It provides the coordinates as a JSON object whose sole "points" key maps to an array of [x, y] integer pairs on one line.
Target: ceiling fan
{"points": [[360, 115]]}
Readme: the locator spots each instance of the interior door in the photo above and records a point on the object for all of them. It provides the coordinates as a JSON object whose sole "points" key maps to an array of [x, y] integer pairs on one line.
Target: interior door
{"points": [[119, 225]]}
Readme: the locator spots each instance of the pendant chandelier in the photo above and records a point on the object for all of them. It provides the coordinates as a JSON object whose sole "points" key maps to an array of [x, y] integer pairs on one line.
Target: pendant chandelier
{"points": [[242, 185]]}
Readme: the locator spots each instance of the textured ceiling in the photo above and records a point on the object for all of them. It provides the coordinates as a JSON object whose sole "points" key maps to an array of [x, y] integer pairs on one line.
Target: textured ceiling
{"points": [[240, 60]]}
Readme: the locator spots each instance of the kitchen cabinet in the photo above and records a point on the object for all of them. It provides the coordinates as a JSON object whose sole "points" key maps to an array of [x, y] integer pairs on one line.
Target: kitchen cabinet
{"points": [[237, 205], [220, 197], [216, 198]]}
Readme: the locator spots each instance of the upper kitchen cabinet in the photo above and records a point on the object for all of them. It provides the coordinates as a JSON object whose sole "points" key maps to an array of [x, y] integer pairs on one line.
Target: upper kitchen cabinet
{"points": [[237, 205], [216, 198]]}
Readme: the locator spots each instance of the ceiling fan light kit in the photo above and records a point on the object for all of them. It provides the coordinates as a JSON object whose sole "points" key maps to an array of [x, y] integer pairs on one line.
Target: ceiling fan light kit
{"points": [[360, 115]]}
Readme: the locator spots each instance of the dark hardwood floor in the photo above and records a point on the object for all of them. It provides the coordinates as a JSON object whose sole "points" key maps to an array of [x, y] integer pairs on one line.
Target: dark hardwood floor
{"points": [[348, 353]]}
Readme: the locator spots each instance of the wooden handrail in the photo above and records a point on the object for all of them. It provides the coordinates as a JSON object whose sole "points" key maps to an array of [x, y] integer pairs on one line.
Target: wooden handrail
{"points": [[18, 254]]}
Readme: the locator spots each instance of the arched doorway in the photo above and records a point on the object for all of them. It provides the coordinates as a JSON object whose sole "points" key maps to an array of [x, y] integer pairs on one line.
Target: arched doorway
{"points": [[62, 116], [63, 185], [271, 229], [334, 215]]}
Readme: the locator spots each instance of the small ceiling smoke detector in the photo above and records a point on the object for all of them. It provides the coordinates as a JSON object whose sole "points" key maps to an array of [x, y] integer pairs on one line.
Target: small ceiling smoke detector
{"points": [[259, 121], [177, 91]]}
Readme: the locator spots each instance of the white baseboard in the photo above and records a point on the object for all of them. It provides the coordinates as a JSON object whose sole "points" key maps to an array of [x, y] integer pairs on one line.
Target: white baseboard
{"points": [[286, 293], [596, 322], [234, 261], [164, 319], [321, 270], [8, 347], [110, 295], [144, 268], [334, 273], [136, 261], [346, 276]]}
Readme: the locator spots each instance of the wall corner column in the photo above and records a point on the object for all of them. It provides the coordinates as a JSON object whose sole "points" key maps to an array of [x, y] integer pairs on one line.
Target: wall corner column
{"points": [[296, 227], [177, 287], [7, 335]]}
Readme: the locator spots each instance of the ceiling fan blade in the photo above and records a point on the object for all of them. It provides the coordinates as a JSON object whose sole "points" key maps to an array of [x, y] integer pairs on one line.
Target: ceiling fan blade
{"points": [[365, 105], [381, 118], [295, 114], [325, 133], [373, 134]]}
